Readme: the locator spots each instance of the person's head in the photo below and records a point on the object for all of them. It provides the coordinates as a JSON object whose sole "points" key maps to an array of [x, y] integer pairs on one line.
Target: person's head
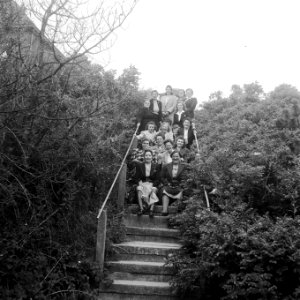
{"points": [[151, 126], [169, 90], [187, 123], [145, 144], [180, 106], [189, 93], [176, 157], [168, 145], [148, 155], [154, 94], [180, 142], [175, 128], [147, 103], [165, 127], [181, 93], [159, 139]]}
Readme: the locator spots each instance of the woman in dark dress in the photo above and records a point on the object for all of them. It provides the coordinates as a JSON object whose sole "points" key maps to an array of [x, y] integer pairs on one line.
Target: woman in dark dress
{"points": [[190, 104], [187, 132], [172, 178], [150, 112], [147, 178], [155, 108]]}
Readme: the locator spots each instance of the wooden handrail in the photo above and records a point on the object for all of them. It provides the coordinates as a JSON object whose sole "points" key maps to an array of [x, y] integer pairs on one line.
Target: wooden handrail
{"points": [[117, 175]]}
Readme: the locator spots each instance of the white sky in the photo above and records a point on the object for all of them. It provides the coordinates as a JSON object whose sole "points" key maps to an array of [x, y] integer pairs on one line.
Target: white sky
{"points": [[210, 45]]}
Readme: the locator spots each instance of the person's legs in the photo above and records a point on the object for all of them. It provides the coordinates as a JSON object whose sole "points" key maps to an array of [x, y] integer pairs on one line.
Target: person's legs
{"points": [[140, 201], [151, 214], [165, 201]]}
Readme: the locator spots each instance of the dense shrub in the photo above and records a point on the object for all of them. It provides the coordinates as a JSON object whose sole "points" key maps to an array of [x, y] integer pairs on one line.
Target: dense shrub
{"points": [[250, 149], [237, 255], [247, 247]]}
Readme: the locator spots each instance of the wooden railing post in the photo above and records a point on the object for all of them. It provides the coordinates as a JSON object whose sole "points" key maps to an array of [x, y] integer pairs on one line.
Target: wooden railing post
{"points": [[122, 187], [101, 236]]}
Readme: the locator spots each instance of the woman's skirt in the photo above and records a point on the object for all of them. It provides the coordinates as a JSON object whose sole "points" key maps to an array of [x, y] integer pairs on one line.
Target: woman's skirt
{"points": [[147, 195], [172, 192]]}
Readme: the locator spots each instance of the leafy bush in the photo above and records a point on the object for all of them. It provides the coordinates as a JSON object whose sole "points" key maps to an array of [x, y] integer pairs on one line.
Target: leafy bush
{"points": [[248, 246], [250, 149], [237, 255]]}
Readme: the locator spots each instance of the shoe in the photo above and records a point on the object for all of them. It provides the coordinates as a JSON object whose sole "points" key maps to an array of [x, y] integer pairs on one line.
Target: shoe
{"points": [[140, 212], [165, 214], [151, 214]]}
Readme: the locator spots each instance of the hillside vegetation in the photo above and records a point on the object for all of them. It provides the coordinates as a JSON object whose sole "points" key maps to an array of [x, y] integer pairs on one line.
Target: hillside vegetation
{"points": [[247, 247]]}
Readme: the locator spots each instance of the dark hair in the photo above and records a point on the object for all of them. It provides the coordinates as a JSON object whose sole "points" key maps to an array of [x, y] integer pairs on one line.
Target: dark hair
{"points": [[175, 126], [180, 137], [159, 135], [145, 139], [148, 150], [174, 152], [168, 86], [150, 123], [168, 141], [187, 119]]}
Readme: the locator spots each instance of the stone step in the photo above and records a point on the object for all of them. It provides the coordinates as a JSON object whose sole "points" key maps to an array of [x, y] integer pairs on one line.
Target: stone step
{"points": [[141, 267], [140, 287], [139, 257], [132, 220], [138, 276], [129, 296], [152, 234], [133, 208], [152, 248]]}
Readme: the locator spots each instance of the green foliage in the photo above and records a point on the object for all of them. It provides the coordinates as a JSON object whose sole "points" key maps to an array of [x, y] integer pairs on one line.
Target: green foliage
{"points": [[61, 143], [237, 255], [249, 147], [247, 247]]}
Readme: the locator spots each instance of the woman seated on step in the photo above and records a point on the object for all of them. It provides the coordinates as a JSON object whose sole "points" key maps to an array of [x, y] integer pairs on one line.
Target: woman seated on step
{"points": [[165, 157], [138, 153], [183, 151], [166, 131], [147, 178], [172, 178], [158, 149], [187, 132], [149, 134]]}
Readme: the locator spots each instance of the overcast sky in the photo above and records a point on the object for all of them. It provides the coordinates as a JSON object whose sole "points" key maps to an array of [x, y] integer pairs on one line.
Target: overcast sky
{"points": [[210, 45]]}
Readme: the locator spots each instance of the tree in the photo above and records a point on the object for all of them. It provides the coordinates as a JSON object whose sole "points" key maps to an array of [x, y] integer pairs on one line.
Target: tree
{"points": [[58, 113]]}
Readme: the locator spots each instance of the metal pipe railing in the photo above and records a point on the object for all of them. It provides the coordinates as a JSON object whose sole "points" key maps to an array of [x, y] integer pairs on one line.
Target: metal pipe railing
{"points": [[118, 173], [198, 149]]}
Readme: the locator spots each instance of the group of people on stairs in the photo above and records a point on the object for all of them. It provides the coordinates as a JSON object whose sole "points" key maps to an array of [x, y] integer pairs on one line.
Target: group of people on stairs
{"points": [[167, 143]]}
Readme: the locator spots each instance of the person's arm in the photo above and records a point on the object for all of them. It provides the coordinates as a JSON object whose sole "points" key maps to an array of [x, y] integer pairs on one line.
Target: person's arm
{"points": [[193, 104], [141, 136], [140, 116], [163, 177], [156, 180], [160, 111]]}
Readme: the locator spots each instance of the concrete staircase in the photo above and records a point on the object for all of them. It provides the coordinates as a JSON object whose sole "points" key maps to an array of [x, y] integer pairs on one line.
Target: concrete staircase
{"points": [[138, 269]]}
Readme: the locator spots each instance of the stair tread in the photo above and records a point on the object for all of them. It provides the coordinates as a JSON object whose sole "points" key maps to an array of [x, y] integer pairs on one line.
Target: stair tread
{"points": [[142, 283], [151, 245], [172, 230], [136, 262]]}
